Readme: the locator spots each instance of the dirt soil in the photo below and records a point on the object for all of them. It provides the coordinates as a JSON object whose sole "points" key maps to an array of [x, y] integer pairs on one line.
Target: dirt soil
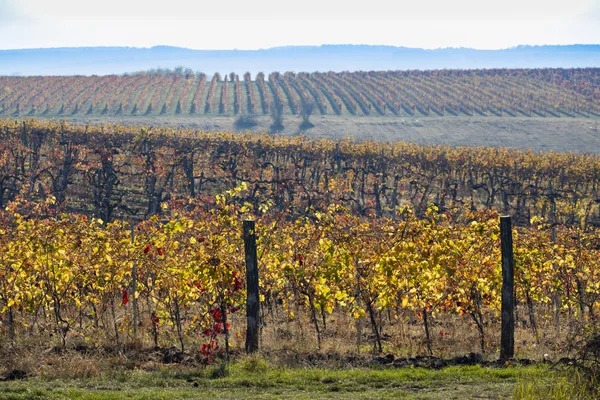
{"points": [[578, 135]]}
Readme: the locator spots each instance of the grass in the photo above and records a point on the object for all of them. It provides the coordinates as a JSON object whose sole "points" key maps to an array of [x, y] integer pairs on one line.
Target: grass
{"points": [[564, 385], [255, 378]]}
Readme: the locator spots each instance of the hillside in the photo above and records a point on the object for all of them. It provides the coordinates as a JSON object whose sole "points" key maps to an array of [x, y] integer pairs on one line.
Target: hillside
{"points": [[498, 92], [117, 60]]}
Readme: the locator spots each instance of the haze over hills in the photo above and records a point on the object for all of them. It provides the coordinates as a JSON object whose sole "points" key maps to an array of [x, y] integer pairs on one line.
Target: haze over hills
{"points": [[118, 60]]}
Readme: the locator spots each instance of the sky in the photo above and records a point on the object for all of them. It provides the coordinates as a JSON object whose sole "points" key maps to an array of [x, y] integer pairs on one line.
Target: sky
{"points": [[256, 24]]}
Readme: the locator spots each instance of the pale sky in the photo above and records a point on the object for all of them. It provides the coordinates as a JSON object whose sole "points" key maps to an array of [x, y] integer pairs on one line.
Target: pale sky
{"points": [[256, 24]]}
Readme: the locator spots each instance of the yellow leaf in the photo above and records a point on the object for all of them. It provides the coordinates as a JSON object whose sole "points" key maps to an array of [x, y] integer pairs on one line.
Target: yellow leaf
{"points": [[404, 301]]}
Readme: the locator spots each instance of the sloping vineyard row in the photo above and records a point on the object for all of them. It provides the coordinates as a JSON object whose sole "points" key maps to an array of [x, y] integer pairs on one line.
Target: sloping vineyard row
{"points": [[541, 92]]}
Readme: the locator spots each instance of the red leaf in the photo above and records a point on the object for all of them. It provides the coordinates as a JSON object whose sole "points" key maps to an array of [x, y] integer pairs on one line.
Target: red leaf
{"points": [[146, 249], [216, 314], [125, 297]]}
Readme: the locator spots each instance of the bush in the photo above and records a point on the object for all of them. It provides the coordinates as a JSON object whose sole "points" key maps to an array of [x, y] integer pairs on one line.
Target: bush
{"points": [[304, 125], [245, 122], [276, 117]]}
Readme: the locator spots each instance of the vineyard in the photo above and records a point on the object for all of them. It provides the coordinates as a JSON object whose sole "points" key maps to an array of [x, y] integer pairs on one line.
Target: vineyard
{"points": [[114, 172], [111, 236], [500, 92]]}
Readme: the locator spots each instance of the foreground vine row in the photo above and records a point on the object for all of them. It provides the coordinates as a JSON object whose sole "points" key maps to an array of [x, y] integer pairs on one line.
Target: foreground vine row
{"points": [[179, 279]]}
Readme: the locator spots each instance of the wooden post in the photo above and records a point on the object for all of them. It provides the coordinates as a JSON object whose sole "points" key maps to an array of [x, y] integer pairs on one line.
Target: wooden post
{"points": [[358, 303], [134, 286], [507, 345], [252, 302]]}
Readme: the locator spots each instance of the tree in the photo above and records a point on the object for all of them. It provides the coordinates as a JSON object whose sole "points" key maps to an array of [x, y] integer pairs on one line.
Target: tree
{"points": [[306, 110], [276, 111]]}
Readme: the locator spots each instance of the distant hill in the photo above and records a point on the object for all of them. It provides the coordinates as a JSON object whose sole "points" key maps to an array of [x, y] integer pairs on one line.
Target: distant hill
{"points": [[118, 60]]}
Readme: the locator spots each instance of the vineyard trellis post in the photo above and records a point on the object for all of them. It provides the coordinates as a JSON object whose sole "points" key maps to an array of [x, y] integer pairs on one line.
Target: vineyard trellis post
{"points": [[134, 284], [252, 301], [507, 342]]}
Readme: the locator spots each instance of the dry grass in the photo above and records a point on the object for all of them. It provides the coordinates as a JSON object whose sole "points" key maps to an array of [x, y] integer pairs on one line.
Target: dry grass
{"points": [[404, 336], [289, 365], [292, 342], [285, 343]]}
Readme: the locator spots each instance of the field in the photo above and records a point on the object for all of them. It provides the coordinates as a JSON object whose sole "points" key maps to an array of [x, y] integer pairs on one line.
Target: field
{"points": [[552, 93], [538, 109], [579, 135], [122, 261], [122, 246]]}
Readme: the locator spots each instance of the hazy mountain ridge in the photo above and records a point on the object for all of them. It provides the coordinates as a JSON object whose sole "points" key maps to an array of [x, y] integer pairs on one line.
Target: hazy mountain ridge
{"points": [[118, 60]]}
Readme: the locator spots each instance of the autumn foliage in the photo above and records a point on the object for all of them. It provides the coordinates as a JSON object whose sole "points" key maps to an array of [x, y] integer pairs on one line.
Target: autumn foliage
{"points": [[151, 250]]}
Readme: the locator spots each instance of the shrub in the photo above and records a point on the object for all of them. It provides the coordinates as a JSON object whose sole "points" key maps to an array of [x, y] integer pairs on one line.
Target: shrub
{"points": [[245, 122]]}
